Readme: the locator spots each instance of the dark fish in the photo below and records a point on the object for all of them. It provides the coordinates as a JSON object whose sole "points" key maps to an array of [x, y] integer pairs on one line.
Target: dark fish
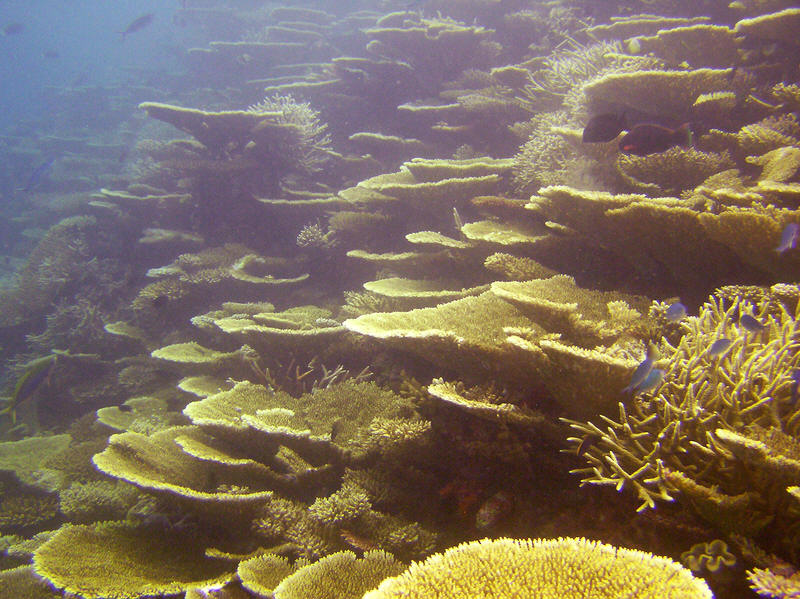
{"points": [[751, 324], [138, 24], [13, 29], [37, 373], [676, 312], [788, 238], [493, 510], [719, 347], [639, 375], [795, 385], [586, 443], [649, 138], [38, 173], [50, 54], [604, 127], [652, 381]]}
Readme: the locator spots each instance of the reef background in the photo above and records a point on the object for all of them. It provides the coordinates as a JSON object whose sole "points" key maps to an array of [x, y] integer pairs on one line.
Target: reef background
{"points": [[334, 287]]}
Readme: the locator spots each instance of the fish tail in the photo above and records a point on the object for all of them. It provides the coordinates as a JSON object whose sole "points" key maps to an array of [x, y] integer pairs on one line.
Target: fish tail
{"points": [[685, 135], [12, 413]]}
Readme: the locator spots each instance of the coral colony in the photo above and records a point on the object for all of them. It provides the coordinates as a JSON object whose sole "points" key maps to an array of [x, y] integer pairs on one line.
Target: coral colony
{"points": [[439, 299]]}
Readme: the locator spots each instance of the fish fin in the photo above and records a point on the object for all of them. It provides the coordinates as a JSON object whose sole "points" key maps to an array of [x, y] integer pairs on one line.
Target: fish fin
{"points": [[684, 135], [12, 413]]}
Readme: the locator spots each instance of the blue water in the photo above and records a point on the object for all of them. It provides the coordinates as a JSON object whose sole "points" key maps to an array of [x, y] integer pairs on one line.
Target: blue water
{"points": [[85, 34]]}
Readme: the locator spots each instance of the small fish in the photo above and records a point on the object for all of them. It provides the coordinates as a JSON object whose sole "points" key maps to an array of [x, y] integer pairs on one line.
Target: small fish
{"points": [[137, 24], [788, 238], [676, 312], [649, 138], [795, 385], [358, 541], [586, 443], [652, 381], [719, 347], [604, 127], [51, 54], [493, 510], [13, 29], [751, 324], [38, 173], [640, 375], [37, 373]]}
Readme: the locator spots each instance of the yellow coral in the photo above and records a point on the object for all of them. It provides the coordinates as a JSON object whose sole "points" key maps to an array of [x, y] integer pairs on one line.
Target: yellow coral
{"points": [[114, 559], [698, 428], [339, 576], [569, 568]]}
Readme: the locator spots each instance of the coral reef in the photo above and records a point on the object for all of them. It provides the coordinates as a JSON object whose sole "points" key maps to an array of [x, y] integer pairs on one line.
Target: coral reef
{"points": [[558, 567], [305, 343], [718, 432]]}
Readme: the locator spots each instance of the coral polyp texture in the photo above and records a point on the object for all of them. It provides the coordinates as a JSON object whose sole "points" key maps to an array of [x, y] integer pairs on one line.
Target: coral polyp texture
{"points": [[567, 567]]}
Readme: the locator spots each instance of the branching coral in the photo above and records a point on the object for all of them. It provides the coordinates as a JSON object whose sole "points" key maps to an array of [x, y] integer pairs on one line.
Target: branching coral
{"points": [[61, 257], [314, 144], [702, 431]]}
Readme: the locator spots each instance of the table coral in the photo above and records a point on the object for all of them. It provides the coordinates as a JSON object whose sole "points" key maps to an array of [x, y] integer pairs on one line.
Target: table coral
{"points": [[115, 559], [567, 568], [339, 576]]}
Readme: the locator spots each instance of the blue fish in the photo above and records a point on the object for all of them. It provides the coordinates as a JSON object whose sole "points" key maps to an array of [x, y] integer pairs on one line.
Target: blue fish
{"points": [[788, 238], [652, 381], [751, 324], [795, 385], [676, 312], [719, 347], [38, 173], [640, 375]]}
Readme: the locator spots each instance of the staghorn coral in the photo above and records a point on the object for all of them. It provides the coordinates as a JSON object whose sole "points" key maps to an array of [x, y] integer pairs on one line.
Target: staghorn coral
{"points": [[569, 568], [691, 434], [774, 585]]}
